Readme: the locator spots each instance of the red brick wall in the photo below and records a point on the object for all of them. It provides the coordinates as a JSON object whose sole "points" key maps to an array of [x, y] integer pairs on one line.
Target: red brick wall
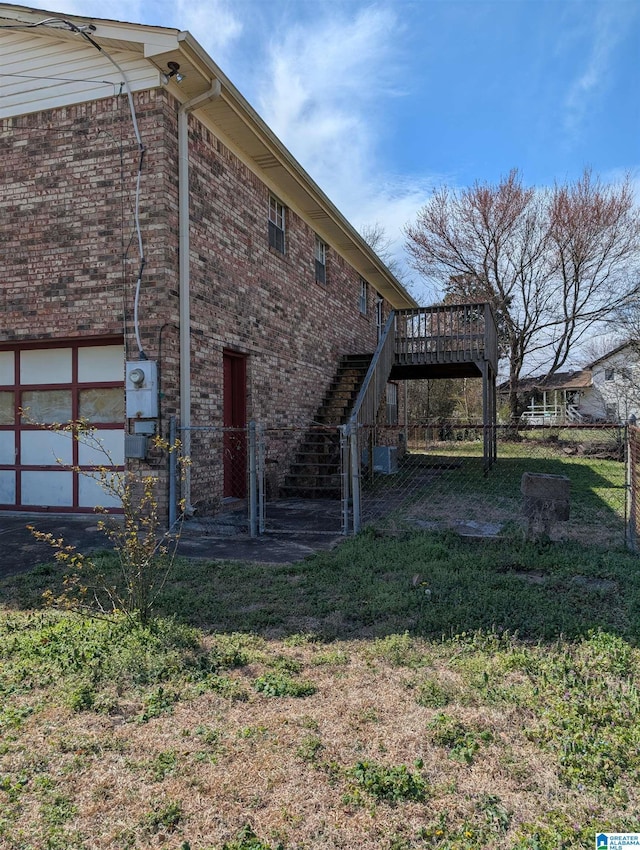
{"points": [[250, 298], [68, 190], [67, 186]]}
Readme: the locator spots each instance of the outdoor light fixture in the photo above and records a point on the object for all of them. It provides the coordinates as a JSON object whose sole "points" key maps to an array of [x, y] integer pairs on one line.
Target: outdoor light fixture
{"points": [[173, 71]]}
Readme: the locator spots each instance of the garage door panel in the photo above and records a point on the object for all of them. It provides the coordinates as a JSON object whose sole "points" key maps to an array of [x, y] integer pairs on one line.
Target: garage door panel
{"points": [[50, 488], [7, 448], [7, 367], [102, 404], [101, 448], [7, 487], [7, 408], [46, 448], [91, 494], [46, 366], [98, 363], [47, 406]]}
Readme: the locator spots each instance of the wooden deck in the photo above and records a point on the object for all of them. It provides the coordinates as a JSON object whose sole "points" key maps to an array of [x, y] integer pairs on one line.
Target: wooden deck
{"points": [[449, 341], [445, 341]]}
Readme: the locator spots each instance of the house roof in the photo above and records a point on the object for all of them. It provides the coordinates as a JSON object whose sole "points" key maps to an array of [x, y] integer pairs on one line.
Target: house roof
{"points": [[578, 380], [631, 343], [229, 115]]}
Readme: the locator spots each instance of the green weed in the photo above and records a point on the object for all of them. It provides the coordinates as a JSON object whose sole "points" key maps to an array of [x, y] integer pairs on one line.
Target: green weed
{"points": [[330, 657], [282, 685], [558, 830], [164, 816], [462, 742], [224, 686], [401, 650], [163, 765], [588, 718], [246, 839], [57, 811], [392, 784], [431, 694], [310, 748], [157, 703], [208, 735], [81, 698]]}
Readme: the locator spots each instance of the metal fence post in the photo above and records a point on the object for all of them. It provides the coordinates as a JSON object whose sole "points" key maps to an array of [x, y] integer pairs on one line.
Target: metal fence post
{"points": [[261, 479], [253, 490], [355, 479], [344, 476], [630, 491], [173, 473]]}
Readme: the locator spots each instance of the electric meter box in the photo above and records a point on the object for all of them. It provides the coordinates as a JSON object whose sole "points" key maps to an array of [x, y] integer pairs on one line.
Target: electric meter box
{"points": [[141, 389]]}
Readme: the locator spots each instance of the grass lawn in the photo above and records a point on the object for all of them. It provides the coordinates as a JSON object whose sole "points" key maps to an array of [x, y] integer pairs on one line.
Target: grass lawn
{"points": [[408, 691], [445, 482]]}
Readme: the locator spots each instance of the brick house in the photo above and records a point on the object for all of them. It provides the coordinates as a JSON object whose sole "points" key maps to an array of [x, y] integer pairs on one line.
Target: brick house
{"points": [[151, 218]]}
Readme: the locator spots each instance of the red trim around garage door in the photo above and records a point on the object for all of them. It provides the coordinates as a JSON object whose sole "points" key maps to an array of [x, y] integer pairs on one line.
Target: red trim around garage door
{"points": [[70, 392]]}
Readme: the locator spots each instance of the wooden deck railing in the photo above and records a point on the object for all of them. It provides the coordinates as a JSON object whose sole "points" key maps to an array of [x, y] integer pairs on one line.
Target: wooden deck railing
{"points": [[375, 383], [456, 333], [460, 333]]}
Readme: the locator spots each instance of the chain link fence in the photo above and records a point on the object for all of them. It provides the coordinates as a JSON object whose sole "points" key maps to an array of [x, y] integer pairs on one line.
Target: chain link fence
{"points": [[437, 480], [423, 475]]}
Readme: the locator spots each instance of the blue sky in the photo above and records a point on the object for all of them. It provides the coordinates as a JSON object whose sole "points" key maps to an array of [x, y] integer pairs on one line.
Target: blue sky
{"points": [[382, 101]]}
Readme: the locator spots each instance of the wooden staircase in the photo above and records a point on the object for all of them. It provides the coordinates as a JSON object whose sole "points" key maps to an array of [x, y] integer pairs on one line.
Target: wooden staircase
{"points": [[315, 472]]}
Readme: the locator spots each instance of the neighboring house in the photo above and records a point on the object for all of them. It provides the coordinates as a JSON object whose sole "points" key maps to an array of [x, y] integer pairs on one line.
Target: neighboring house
{"points": [[606, 390], [615, 385], [159, 242]]}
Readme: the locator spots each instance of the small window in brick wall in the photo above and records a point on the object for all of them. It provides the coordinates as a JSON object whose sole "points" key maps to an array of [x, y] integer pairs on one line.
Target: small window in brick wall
{"points": [[321, 261], [609, 374], [364, 296], [277, 216], [392, 404]]}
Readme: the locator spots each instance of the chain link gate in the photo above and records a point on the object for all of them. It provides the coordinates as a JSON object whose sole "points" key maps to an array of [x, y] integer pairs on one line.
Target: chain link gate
{"points": [[261, 479], [301, 485]]}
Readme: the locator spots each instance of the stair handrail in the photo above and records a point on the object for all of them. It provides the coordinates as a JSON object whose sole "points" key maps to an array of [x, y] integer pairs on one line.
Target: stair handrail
{"points": [[365, 408]]}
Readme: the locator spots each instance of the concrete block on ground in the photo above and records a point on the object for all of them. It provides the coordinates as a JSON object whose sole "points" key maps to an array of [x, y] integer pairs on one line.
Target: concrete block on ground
{"points": [[546, 497]]}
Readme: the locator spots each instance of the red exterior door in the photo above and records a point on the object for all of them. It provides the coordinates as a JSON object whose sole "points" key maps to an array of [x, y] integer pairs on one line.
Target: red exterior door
{"points": [[235, 417]]}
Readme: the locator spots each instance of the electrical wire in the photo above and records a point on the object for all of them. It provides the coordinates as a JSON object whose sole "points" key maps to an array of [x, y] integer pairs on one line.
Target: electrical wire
{"points": [[141, 148], [25, 25], [84, 32], [63, 79]]}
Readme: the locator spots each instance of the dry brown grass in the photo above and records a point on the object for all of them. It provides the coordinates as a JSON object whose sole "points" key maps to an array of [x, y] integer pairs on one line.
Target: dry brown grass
{"points": [[254, 768]]}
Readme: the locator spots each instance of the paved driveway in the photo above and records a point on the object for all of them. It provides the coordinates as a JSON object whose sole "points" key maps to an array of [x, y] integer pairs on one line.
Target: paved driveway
{"points": [[20, 551]]}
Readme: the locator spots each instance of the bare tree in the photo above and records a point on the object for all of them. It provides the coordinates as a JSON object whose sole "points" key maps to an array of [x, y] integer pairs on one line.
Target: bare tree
{"points": [[552, 262], [376, 238]]}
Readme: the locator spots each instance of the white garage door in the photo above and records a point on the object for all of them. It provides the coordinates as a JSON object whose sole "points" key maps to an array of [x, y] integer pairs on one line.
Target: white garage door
{"points": [[42, 469]]}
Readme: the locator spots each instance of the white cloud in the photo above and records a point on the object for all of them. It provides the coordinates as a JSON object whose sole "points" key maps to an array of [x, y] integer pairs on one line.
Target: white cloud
{"points": [[608, 28], [321, 82], [323, 92], [213, 23]]}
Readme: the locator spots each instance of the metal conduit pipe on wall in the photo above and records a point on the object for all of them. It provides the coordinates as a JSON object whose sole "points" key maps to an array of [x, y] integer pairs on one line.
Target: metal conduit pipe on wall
{"points": [[184, 270]]}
